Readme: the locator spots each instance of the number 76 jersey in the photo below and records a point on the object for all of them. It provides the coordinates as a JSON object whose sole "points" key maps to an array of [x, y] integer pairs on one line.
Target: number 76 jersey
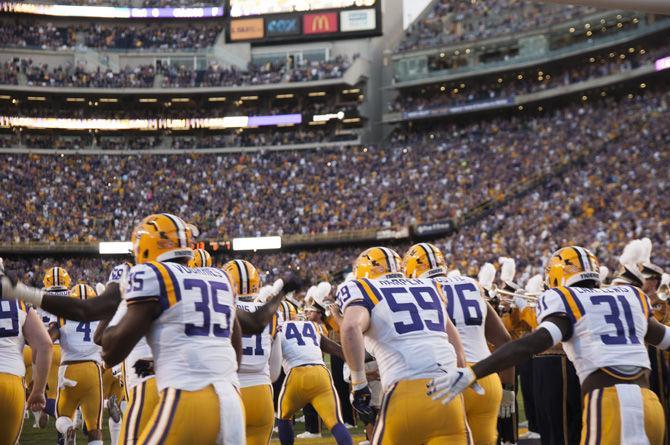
{"points": [[609, 326], [407, 331]]}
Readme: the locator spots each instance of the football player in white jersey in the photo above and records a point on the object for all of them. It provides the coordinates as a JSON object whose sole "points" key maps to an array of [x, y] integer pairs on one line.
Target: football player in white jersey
{"points": [[308, 380], [79, 375], [404, 324], [188, 318], [478, 324], [139, 384], [261, 356], [18, 325], [603, 331]]}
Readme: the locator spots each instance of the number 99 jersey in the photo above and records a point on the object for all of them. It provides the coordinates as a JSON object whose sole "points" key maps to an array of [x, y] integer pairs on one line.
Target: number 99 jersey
{"points": [[407, 331], [609, 326], [190, 340], [12, 318], [467, 310], [300, 344]]}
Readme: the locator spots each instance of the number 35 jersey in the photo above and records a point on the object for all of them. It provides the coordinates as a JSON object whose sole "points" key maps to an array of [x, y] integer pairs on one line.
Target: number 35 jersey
{"points": [[190, 340], [407, 331], [609, 326]]}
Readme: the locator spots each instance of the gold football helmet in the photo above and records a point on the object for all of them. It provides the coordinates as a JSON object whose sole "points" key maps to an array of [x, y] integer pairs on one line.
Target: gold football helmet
{"points": [[83, 292], [424, 260], [376, 262], [162, 237], [571, 265], [243, 276], [57, 277], [201, 258]]}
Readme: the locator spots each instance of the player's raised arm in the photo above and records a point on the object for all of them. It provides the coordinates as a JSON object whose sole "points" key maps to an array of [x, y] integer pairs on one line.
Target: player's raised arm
{"points": [[119, 340]]}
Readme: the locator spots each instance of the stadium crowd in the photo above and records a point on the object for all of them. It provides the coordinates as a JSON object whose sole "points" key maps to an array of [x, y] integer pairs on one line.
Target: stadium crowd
{"points": [[171, 76], [329, 189], [512, 84], [46, 35], [451, 22]]}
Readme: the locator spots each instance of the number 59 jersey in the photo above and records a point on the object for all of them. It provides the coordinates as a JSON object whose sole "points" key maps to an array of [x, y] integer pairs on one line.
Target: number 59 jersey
{"points": [[190, 340], [407, 332], [609, 326]]}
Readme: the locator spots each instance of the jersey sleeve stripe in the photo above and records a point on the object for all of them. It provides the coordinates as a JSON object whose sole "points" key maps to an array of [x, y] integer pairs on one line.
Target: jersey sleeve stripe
{"points": [[273, 325], [570, 311], [371, 291], [643, 301], [369, 299], [170, 283], [579, 304], [161, 285]]}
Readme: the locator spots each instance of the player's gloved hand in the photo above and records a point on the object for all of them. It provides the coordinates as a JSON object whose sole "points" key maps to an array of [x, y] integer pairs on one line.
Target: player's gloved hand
{"points": [[292, 282], [452, 383], [12, 290], [360, 401], [507, 404], [144, 367]]}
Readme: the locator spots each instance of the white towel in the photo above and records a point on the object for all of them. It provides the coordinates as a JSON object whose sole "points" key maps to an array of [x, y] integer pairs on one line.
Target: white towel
{"points": [[62, 381], [632, 415], [232, 415]]}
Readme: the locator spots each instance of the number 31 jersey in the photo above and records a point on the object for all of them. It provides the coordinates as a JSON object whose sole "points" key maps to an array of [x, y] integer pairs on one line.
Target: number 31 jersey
{"points": [[407, 331], [190, 340], [609, 326]]}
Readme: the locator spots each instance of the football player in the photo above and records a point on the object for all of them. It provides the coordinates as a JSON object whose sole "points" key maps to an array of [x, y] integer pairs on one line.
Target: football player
{"points": [[405, 324], [603, 331], [79, 375], [188, 318], [201, 258], [308, 380], [261, 356], [478, 324], [20, 325]]}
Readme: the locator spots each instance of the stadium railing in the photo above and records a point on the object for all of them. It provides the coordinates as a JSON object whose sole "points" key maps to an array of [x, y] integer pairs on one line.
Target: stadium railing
{"points": [[413, 70], [521, 99]]}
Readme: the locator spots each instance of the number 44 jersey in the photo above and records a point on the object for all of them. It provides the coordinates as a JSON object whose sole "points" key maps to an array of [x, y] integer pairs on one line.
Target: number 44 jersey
{"points": [[190, 340], [407, 331], [609, 326]]}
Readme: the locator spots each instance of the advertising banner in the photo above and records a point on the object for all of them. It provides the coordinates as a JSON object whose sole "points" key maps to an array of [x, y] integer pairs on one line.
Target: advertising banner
{"points": [[325, 23]]}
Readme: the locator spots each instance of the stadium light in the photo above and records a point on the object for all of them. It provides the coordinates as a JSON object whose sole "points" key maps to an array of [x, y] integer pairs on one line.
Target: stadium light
{"points": [[259, 243], [115, 247]]}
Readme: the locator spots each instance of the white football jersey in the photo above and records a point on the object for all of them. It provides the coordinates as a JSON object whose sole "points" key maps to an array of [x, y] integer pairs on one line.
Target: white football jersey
{"points": [[12, 318], [255, 366], [300, 344], [407, 332], [467, 310], [141, 349], [76, 340], [609, 326], [190, 340], [49, 318]]}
